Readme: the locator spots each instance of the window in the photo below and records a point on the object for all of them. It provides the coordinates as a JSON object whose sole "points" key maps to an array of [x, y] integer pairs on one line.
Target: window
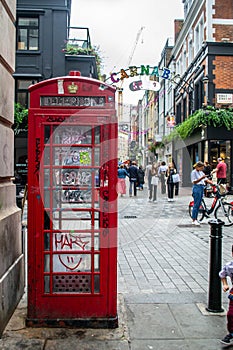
{"points": [[187, 6], [22, 91], [178, 113], [190, 52], [184, 61], [199, 95], [190, 110], [184, 109], [199, 35], [28, 33], [197, 39]]}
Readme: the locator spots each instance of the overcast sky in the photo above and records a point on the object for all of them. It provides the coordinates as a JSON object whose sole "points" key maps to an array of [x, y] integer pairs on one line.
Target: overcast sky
{"points": [[115, 24]]}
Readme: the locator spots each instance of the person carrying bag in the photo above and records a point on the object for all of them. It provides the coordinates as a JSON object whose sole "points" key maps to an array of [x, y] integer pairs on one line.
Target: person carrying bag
{"points": [[171, 172], [176, 178]]}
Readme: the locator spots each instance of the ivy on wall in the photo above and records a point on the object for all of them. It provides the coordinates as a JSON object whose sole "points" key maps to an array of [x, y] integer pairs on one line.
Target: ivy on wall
{"points": [[202, 118], [20, 117]]}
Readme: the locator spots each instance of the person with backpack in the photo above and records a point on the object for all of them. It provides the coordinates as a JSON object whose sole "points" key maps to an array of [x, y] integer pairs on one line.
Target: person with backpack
{"points": [[141, 176]]}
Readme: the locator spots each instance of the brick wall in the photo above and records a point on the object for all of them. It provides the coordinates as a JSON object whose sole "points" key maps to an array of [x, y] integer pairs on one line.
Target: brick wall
{"points": [[223, 72], [223, 32], [223, 9]]}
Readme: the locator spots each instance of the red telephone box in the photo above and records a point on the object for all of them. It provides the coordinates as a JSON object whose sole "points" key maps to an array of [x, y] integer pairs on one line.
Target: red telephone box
{"points": [[72, 203]]}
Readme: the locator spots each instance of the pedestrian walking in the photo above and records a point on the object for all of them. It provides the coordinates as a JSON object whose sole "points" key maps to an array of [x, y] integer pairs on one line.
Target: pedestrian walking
{"points": [[177, 183], [207, 171], [170, 182], [162, 175], [154, 183], [133, 178], [148, 175], [121, 184], [198, 179], [227, 271], [221, 170], [141, 178]]}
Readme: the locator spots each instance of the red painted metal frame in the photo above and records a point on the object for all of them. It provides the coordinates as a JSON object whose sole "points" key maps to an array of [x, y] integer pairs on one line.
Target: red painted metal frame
{"points": [[95, 309]]}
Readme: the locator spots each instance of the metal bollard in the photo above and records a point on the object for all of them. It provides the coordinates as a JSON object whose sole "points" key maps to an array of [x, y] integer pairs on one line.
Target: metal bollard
{"points": [[215, 287]]}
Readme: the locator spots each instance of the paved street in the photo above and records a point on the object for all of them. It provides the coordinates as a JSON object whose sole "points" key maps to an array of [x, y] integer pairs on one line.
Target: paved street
{"points": [[163, 264], [160, 251]]}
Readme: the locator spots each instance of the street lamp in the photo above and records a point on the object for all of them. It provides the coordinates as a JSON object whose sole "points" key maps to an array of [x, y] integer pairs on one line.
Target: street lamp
{"points": [[205, 81]]}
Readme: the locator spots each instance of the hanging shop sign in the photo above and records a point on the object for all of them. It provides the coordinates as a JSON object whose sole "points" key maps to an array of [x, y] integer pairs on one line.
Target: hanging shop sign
{"points": [[135, 85], [171, 121], [144, 85], [134, 71]]}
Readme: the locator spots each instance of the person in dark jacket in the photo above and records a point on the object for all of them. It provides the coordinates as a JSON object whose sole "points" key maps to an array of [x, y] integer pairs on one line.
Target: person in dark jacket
{"points": [[141, 178], [170, 184], [207, 169], [133, 178]]}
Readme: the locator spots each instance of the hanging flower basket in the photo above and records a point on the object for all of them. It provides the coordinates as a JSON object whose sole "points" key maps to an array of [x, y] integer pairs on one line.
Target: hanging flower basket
{"points": [[152, 147]]}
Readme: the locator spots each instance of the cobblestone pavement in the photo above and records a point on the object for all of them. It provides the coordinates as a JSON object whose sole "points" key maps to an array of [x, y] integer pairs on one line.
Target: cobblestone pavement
{"points": [[161, 252]]}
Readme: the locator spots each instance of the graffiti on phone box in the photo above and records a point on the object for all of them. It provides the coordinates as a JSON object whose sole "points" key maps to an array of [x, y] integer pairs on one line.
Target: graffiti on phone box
{"points": [[78, 156], [68, 243], [69, 136], [77, 196], [75, 176]]}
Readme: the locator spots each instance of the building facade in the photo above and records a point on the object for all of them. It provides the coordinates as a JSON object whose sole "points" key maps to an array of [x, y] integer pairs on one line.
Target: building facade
{"points": [[46, 47], [201, 63], [11, 248]]}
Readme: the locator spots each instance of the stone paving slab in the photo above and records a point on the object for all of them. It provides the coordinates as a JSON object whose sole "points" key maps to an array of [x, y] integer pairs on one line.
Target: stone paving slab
{"points": [[173, 326], [152, 321], [174, 344], [73, 344]]}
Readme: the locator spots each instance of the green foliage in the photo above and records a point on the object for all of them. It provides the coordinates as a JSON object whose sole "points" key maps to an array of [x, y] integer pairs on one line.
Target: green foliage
{"points": [[20, 117], [202, 117]]}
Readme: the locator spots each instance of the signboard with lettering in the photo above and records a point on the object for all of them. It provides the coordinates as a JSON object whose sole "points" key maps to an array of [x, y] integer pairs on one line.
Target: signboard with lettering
{"points": [[225, 98]]}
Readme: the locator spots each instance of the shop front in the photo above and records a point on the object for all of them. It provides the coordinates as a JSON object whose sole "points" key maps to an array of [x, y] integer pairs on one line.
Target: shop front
{"points": [[207, 144]]}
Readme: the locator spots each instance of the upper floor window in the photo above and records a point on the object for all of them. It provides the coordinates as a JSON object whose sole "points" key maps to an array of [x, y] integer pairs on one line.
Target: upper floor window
{"points": [[184, 61], [199, 35], [187, 6], [28, 33]]}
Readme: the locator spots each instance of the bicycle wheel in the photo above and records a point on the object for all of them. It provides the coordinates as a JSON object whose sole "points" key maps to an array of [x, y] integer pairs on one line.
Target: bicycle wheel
{"points": [[201, 211], [225, 214]]}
